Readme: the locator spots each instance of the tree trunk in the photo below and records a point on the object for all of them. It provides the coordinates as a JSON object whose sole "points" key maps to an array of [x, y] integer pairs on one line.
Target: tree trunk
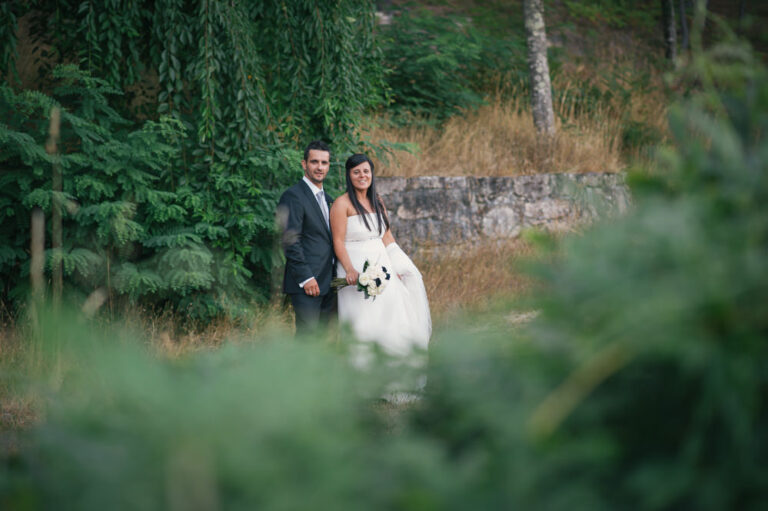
{"points": [[684, 41], [670, 32], [36, 265], [699, 24], [742, 12], [538, 67], [56, 206], [37, 253]]}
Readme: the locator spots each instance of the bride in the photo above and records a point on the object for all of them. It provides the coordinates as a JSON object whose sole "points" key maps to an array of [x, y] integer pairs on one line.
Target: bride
{"points": [[397, 320]]}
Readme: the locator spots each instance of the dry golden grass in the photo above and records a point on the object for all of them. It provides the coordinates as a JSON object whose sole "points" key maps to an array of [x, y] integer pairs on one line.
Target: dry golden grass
{"points": [[469, 279], [19, 407], [456, 281], [499, 138], [625, 69], [172, 335]]}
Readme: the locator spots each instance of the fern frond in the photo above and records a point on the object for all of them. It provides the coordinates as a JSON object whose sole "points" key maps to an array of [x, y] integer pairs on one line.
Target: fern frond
{"points": [[211, 232], [82, 261], [9, 255], [193, 258], [22, 144], [180, 237], [135, 282]]}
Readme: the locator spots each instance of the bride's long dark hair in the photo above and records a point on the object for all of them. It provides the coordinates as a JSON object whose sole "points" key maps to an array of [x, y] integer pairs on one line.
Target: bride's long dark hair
{"points": [[373, 197]]}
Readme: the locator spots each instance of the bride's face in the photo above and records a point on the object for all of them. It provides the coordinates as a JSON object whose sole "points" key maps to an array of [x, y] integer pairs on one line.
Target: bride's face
{"points": [[360, 176]]}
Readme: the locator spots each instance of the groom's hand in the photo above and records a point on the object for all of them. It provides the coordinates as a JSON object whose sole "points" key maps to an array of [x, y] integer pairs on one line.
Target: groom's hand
{"points": [[311, 288]]}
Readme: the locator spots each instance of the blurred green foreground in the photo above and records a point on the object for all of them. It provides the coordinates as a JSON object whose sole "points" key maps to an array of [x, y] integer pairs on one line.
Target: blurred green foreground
{"points": [[642, 383]]}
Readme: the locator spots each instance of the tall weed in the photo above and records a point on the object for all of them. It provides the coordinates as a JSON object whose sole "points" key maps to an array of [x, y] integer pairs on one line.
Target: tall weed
{"points": [[498, 139]]}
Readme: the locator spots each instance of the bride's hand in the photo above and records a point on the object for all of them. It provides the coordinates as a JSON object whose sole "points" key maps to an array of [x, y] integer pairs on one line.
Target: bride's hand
{"points": [[352, 277]]}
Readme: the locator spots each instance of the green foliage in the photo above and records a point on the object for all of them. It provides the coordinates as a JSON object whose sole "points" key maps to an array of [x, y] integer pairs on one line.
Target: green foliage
{"points": [[133, 224], [8, 26], [239, 73], [321, 63], [431, 61], [441, 64], [500, 28], [111, 179], [268, 425], [186, 123], [614, 13], [638, 135]]}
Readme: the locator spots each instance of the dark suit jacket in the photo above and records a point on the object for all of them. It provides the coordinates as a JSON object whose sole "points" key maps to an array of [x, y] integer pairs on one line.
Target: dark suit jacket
{"points": [[306, 240]]}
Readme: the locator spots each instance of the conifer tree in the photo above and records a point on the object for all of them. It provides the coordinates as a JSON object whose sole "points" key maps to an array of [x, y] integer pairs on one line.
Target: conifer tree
{"points": [[179, 132]]}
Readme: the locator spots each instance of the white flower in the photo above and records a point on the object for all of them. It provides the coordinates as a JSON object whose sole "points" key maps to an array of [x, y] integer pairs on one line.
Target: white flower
{"points": [[373, 280]]}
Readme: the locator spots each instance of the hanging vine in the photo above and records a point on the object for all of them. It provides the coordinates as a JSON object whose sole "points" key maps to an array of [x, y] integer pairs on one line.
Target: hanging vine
{"points": [[239, 87]]}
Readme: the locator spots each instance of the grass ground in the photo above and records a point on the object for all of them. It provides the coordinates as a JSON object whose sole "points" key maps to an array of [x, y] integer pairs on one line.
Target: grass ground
{"points": [[458, 283]]}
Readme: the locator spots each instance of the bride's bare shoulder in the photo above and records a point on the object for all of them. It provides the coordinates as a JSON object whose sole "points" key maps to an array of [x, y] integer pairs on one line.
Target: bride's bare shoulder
{"points": [[341, 200], [342, 203]]}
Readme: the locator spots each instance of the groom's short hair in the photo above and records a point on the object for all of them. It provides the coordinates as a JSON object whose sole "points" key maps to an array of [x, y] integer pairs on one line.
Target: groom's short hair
{"points": [[317, 145]]}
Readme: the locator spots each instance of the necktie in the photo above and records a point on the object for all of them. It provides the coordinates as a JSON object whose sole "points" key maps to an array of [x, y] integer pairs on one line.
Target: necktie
{"points": [[323, 205]]}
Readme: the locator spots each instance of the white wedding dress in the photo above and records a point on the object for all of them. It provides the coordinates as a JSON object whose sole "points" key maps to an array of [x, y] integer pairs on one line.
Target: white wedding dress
{"points": [[398, 320]]}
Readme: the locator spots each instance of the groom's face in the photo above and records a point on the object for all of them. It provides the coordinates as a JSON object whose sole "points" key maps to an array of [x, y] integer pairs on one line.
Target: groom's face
{"points": [[316, 166]]}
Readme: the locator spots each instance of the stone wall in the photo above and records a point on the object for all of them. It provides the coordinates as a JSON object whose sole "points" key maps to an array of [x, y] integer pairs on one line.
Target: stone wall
{"points": [[442, 211]]}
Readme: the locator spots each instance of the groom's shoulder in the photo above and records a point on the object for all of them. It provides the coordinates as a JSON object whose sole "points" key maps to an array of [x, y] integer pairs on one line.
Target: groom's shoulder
{"points": [[293, 190]]}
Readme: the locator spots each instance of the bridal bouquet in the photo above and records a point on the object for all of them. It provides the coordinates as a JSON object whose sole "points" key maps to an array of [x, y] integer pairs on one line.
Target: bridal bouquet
{"points": [[371, 281]]}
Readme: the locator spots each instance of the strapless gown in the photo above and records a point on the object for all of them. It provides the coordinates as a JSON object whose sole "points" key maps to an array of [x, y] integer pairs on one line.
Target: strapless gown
{"points": [[398, 320]]}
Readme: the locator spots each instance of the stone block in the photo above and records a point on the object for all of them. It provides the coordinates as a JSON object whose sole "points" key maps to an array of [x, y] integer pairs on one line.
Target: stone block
{"points": [[533, 187], [547, 210], [501, 222], [442, 211], [388, 186]]}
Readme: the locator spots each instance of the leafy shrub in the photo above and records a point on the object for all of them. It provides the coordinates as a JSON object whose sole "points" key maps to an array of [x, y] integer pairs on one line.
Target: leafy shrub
{"points": [[440, 64], [430, 61], [638, 135], [136, 224], [613, 13], [273, 425], [234, 71], [180, 211], [641, 384]]}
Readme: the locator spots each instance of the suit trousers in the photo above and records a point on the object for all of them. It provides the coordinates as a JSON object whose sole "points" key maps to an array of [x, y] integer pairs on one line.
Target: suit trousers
{"points": [[313, 312]]}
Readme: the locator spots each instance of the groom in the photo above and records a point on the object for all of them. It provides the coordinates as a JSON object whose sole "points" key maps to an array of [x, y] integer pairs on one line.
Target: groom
{"points": [[304, 212]]}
